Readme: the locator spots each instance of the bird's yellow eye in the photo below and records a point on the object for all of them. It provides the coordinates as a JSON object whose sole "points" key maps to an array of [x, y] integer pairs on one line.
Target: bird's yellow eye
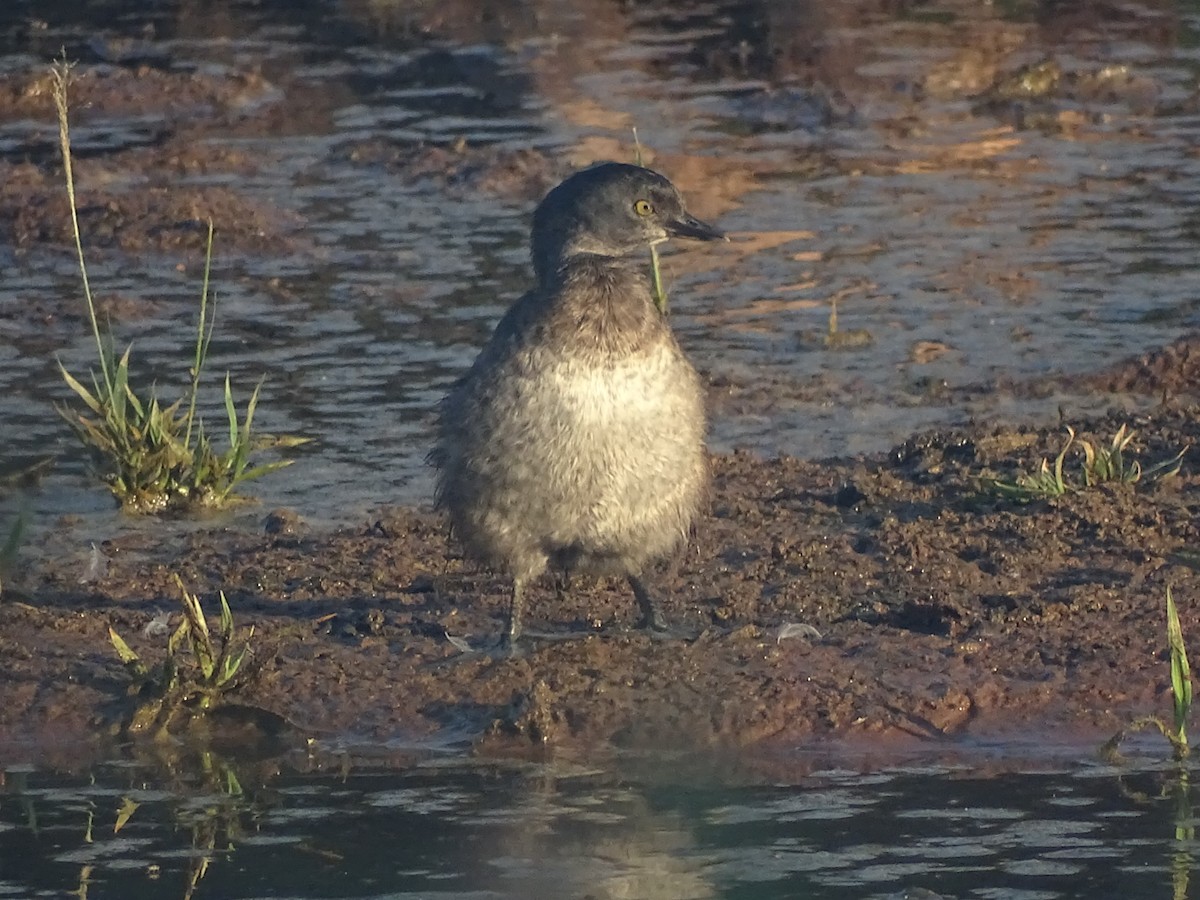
{"points": [[642, 207]]}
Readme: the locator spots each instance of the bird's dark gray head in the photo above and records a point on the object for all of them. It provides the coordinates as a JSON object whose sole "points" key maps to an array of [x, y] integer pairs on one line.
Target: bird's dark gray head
{"points": [[611, 209]]}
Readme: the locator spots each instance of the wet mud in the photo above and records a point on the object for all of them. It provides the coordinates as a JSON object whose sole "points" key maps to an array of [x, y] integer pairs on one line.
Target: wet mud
{"points": [[131, 194], [893, 599]]}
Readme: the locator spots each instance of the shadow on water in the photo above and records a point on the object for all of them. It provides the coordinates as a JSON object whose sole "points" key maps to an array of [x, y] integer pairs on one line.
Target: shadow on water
{"points": [[331, 825]]}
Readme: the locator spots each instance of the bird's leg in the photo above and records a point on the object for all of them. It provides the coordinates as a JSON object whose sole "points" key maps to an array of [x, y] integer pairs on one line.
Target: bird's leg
{"points": [[562, 585], [652, 616], [512, 628]]}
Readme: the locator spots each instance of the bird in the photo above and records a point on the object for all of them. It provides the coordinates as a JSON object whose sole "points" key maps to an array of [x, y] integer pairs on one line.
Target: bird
{"points": [[575, 443]]}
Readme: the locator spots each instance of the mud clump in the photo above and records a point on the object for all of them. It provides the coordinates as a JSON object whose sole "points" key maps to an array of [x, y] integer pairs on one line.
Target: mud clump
{"points": [[518, 176], [110, 91], [1172, 371], [161, 219], [145, 163]]}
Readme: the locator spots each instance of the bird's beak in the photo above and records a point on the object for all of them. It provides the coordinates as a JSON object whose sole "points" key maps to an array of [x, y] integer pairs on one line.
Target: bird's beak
{"points": [[685, 225]]}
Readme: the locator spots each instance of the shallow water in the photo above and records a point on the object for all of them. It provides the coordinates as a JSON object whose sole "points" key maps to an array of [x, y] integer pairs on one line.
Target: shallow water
{"points": [[845, 148], [435, 828]]}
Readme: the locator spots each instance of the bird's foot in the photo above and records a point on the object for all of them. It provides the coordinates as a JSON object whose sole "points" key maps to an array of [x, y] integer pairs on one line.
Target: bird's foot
{"points": [[508, 647], [504, 647], [652, 619], [654, 622]]}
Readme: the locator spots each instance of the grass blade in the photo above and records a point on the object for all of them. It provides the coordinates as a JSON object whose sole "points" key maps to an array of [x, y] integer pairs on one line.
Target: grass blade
{"points": [[226, 619], [60, 73], [660, 293], [204, 330], [147, 451], [89, 399], [128, 657], [201, 639], [231, 413], [123, 649], [1181, 674]]}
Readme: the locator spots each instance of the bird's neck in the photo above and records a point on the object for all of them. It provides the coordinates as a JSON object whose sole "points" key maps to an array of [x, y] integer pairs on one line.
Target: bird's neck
{"points": [[605, 301]]}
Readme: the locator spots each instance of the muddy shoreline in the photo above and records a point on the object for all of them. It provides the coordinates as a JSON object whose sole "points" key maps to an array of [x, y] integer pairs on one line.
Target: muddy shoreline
{"points": [[932, 612]]}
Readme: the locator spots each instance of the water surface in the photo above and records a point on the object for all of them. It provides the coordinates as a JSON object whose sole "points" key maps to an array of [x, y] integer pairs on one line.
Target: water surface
{"points": [[440, 829], [851, 149]]}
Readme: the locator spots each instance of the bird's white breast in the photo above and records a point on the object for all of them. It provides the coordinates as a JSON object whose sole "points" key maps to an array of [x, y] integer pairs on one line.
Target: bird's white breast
{"points": [[623, 398]]}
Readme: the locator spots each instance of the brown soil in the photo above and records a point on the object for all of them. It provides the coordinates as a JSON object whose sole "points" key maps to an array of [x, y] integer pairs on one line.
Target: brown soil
{"points": [[939, 611]]}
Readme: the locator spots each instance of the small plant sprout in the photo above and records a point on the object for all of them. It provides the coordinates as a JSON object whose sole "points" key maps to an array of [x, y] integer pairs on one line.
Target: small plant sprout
{"points": [[1045, 482], [1105, 464], [660, 293], [1181, 679], [1101, 465], [833, 337], [1181, 696], [152, 455], [1108, 463], [172, 685]]}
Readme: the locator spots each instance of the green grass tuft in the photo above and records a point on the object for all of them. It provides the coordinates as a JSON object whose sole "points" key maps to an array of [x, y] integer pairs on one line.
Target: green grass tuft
{"points": [[1108, 464], [193, 683], [1100, 465], [1045, 482], [154, 455]]}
